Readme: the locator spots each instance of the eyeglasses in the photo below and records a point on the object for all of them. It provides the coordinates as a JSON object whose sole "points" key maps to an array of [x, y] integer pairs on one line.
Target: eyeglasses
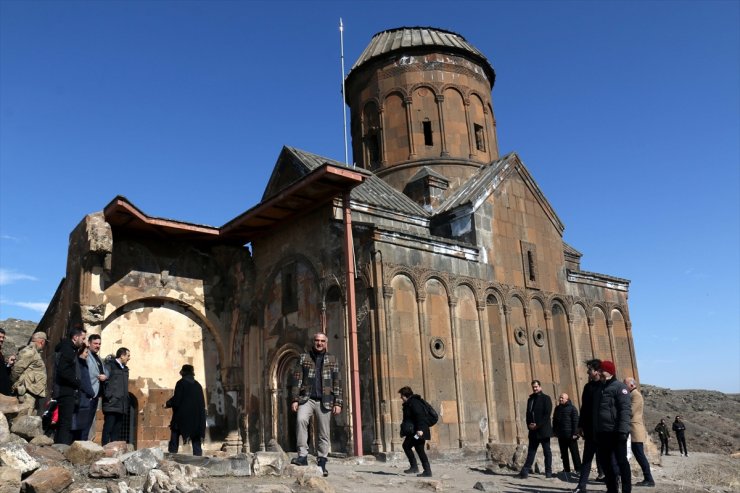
{"points": [[322, 341]]}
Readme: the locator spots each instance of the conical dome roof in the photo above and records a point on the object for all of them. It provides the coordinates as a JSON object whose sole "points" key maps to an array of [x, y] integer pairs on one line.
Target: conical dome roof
{"points": [[420, 39]]}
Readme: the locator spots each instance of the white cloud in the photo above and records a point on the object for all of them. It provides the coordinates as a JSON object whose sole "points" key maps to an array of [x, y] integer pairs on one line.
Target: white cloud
{"points": [[8, 237], [35, 306], [10, 276]]}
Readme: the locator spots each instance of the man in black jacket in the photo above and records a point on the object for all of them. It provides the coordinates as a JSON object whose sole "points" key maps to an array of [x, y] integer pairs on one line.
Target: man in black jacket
{"points": [[612, 416], [67, 382], [586, 425], [680, 430], [115, 395], [5, 383], [188, 412], [565, 427], [539, 411]]}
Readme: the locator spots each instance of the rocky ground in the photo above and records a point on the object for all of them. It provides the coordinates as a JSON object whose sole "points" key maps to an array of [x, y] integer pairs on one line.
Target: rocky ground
{"points": [[30, 463]]}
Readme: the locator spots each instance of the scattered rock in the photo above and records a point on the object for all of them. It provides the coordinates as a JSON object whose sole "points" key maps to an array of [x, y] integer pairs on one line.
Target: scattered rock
{"points": [[120, 487], [115, 449], [4, 428], [301, 472], [13, 438], [84, 452], [60, 447], [47, 456], [43, 441], [15, 456], [487, 486], [52, 480], [27, 427], [319, 485], [269, 463], [158, 481], [431, 485], [107, 467], [10, 480], [139, 463], [9, 404]]}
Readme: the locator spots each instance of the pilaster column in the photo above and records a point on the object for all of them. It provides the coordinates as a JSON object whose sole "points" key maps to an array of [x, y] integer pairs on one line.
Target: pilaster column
{"points": [[440, 111], [408, 104], [488, 382]]}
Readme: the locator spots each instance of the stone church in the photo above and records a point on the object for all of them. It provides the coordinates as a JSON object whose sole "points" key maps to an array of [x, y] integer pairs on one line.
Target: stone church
{"points": [[434, 262]]}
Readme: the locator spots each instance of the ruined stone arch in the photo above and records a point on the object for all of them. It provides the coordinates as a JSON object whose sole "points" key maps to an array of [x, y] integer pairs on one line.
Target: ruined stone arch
{"points": [[280, 381], [162, 334], [495, 293]]}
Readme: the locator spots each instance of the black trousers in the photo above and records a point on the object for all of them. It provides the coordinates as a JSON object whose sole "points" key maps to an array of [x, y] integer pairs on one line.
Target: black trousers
{"points": [[174, 444], [66, 405], [112, 427], [681, 438], [568, 444], [535, 442], [409, 445], [663, 444], [608, 445], [638, 451], [589, 452]]}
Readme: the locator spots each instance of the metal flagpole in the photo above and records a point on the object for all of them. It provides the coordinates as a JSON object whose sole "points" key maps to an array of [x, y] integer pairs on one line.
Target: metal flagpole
{"points": [[344, 104]]}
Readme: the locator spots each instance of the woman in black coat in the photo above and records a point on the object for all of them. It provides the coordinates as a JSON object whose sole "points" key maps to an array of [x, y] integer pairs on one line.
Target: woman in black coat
{"points": [[84, 412], [188, 412], [415, 430]]}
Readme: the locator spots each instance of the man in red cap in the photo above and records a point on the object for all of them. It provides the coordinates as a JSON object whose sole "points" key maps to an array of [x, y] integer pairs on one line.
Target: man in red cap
{"points": [[612, 416]]}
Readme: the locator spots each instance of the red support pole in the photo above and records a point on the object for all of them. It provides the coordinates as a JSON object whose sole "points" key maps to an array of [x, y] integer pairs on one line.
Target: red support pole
{"points": [[352, 319]]}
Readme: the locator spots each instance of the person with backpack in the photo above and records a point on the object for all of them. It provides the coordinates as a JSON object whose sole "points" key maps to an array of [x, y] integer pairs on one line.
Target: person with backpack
{"points": [[415, 430]]}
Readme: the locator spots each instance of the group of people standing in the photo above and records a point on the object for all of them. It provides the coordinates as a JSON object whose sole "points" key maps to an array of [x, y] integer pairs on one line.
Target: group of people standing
{"points": [[610, 412], [663, 434], [82, 380]]}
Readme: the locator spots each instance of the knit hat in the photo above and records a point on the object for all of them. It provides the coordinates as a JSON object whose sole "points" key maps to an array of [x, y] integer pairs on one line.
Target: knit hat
{"points": [[187, 370], [39, 335], [608, 367]]}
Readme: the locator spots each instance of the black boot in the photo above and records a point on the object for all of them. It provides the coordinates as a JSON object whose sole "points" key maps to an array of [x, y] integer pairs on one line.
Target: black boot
{"points": [[427, 473], [322, 464], [300, 461], [412, 470]]}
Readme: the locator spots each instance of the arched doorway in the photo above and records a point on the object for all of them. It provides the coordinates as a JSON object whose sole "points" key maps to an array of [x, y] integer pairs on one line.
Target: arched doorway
{"points": [[282, 382]]}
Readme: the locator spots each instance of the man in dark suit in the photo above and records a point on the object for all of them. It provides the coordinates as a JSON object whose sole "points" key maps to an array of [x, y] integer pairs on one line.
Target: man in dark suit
{"points": [[539, 412]]}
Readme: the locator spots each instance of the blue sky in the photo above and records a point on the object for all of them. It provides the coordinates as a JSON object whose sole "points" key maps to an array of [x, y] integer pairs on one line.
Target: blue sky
{"points": [[627, 114]]}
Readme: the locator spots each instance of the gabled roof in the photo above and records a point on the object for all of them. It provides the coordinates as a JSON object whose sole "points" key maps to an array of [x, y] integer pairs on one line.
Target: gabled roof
{"points": [[294, 163], [474, 192], [376, 192]]}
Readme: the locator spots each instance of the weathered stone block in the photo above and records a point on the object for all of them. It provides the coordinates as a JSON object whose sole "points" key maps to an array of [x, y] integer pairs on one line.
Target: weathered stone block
{"points": [[15, 456], [52, 480], [488, 487], [9, 405], [4, 428], [10, 480], [142, 461], [84, 452], [269, 463], [42, 441], [27, 427], [47, 456], [319, 485], [160, 482], [115, 449], [120, 487], [107, 467]]}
